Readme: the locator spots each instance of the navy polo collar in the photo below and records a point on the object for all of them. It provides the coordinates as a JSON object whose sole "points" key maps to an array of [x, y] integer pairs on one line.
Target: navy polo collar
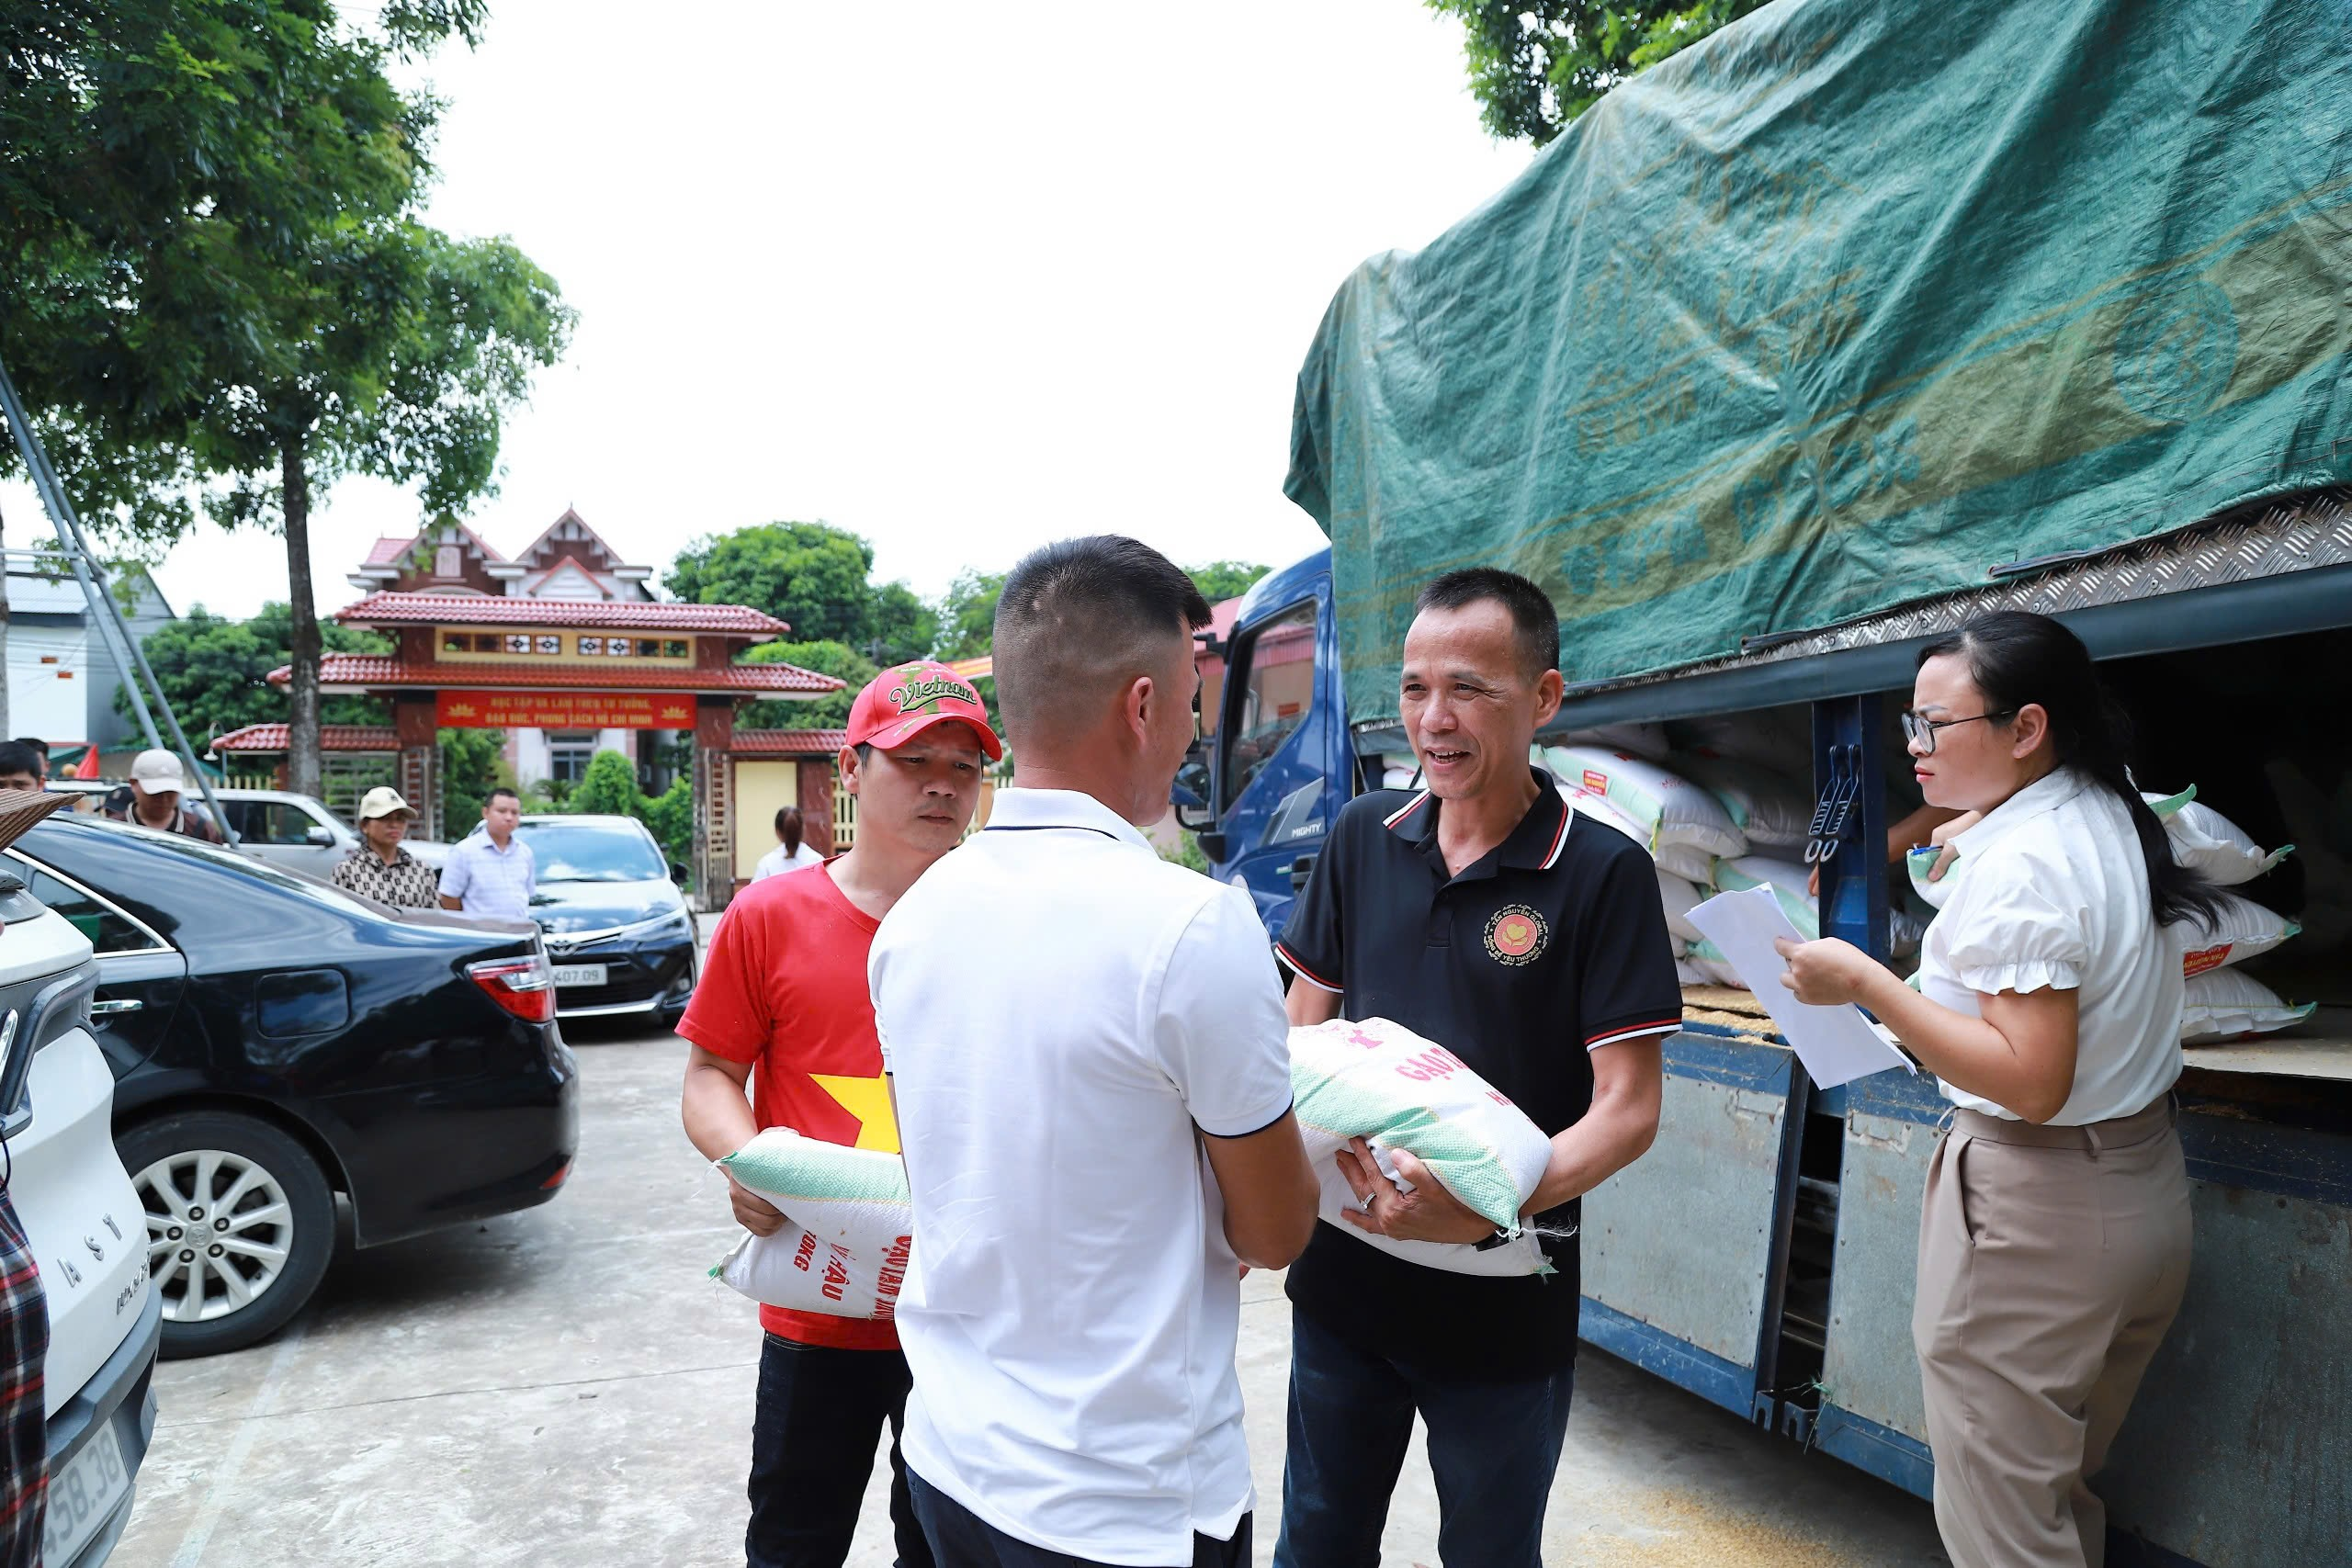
{"points": [[1534, 845]]}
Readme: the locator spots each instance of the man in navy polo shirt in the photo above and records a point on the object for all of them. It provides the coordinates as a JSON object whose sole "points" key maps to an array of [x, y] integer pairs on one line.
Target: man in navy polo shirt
{"points": [[1484, 914]]}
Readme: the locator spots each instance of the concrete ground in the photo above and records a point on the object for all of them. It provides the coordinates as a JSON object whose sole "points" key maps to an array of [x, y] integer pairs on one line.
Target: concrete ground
{"points": [[564, 1386]]}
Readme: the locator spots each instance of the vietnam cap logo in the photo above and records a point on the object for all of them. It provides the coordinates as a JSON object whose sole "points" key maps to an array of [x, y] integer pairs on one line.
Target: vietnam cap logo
{"points": [[1516, 934], [918, 693]]}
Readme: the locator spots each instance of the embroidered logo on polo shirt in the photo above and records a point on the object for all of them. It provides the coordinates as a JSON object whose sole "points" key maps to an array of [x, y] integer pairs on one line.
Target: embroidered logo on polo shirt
{"points": [[1516, 935]]}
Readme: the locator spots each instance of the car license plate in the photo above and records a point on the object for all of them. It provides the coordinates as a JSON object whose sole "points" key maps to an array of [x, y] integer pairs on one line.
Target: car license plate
{"points": [[83, 1495], [579, 974]]}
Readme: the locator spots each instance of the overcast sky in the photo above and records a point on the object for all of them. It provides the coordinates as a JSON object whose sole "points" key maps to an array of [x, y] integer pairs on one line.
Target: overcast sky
{"points": [[959, 278]]}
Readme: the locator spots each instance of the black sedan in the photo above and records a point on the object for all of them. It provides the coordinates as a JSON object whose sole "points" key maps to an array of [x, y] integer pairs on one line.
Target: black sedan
{"points": [[276, 1042], [617, 929]]}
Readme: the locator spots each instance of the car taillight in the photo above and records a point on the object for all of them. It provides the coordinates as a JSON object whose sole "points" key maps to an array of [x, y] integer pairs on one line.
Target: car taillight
{"points": [[521, 986]]}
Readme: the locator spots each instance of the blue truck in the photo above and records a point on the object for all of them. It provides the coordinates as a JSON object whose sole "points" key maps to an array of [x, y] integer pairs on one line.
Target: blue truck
{"points": [[1842, 327]]}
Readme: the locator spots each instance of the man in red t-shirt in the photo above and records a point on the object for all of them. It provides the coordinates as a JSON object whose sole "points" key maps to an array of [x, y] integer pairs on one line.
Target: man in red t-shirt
{"points": [[783, 1006]]}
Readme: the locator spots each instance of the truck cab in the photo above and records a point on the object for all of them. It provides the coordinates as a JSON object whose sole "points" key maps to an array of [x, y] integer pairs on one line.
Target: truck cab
{"points": [[1275, 764]]}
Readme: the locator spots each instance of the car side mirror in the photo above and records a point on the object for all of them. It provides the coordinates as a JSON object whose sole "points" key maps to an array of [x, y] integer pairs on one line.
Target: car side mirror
{"points": [[320, 837], [677, 873], [1213, 844]]}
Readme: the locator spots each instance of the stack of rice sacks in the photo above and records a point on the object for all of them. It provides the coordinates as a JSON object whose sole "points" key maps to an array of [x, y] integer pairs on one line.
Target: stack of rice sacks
{"points": [[1684, 828], [2223, 1002], [1712, 824]]}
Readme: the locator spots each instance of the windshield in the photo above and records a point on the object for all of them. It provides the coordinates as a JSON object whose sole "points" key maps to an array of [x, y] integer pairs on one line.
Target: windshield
{"points": [[589, 852]]}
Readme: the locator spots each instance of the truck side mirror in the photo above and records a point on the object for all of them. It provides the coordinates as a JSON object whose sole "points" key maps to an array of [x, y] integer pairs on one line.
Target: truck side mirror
{"points": [[1190, 795]]}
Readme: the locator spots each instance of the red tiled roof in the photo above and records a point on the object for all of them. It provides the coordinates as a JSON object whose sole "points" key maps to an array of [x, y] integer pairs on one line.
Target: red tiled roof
{"points": [[789, 742], [386, 670], [331, 737], [390, 551], [429, 609]]}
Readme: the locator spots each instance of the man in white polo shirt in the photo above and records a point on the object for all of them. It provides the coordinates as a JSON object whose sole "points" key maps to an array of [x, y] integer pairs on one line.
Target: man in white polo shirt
{"points": [[1091, 1062]]}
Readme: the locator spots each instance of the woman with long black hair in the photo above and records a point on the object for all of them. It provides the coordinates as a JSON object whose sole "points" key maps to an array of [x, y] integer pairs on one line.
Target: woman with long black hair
{"points": [[791, 851], [2054, 1241]]}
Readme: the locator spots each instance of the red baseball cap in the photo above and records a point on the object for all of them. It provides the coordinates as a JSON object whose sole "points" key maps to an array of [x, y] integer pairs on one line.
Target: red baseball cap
{"points": [[906, 699]]}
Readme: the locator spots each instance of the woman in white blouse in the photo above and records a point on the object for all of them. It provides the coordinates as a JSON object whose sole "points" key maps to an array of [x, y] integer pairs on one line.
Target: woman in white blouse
{"points": [[2054, 1246], [791, 852]]}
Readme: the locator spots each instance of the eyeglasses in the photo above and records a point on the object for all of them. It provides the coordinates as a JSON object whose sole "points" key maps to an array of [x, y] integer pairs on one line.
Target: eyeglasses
{"points": [[1920, 730]]}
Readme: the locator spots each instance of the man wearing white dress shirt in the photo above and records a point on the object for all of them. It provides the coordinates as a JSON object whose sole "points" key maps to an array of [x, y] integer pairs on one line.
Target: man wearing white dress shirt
{"points": [[1091, 1062]]}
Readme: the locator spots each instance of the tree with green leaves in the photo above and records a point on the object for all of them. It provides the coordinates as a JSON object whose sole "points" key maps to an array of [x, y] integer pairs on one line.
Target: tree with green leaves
{"points": [[208, 209], [1535, 65], [815, 577], [472, 764], [903, 627], [215, 672], [968, 614], [828, 712], [401, 364], [1223, 579], [607, 787], [967, 611], [670, 817]]}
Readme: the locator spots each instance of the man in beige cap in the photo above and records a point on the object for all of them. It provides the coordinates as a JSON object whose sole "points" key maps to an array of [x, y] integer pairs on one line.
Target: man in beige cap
{"points": [[152, 799], [381, 868]]}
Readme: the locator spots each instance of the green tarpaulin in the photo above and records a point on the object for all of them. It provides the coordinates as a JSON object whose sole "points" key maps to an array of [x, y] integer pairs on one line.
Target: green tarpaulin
{"points": [[1848, 306]]}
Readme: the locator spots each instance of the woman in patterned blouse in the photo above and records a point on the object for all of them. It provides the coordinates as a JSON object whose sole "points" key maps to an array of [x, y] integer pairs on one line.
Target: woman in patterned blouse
{"points": [[379, 868]]}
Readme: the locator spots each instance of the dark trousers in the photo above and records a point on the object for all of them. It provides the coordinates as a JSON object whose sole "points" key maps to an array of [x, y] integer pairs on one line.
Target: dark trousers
{"points": [[1493, 1449], [821, 1414], [962, 1540]]}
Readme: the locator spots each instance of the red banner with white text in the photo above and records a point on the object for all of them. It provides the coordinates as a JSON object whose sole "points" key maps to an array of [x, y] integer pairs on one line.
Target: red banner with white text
{"points": [[563, 710]]}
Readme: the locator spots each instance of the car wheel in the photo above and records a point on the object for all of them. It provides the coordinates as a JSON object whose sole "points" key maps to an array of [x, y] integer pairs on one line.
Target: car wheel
{"points": [[240, 1226]]}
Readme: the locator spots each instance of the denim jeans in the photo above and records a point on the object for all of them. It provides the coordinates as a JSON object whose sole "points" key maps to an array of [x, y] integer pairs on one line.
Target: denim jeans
{"points": [[963, 1540], [1493, 1449], [821, 1414]]}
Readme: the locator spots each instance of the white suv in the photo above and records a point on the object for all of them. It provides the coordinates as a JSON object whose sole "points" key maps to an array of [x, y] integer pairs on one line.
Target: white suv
{"points": [[85, 1226]]}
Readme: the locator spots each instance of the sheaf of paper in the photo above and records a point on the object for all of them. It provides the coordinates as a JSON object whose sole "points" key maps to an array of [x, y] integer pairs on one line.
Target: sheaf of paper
{"points": [[1837, 1044]]}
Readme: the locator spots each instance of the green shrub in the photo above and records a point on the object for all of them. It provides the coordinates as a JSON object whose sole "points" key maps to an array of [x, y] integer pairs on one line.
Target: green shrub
{"points": [[609, 788], [670, 817], [1188, 853], [471, 766]]}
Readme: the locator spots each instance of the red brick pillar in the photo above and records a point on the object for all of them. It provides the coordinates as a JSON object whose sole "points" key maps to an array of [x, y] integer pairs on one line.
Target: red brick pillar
{"points": [[419, 771], [714, 866], [816, 793]]}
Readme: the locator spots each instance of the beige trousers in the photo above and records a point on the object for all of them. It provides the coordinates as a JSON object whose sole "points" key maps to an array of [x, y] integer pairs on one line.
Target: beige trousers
{"points": [[2052, 1261]]}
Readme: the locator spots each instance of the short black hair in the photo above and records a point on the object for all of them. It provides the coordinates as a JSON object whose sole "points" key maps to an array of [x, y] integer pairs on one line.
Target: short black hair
{"points": [[501, 789], [19, 757], [37, 744], [1531, 616], [1083, 617]]}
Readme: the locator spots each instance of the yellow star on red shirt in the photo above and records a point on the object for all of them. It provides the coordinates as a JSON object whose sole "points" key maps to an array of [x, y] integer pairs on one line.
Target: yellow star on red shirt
{"points": [[868, 1099]]}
